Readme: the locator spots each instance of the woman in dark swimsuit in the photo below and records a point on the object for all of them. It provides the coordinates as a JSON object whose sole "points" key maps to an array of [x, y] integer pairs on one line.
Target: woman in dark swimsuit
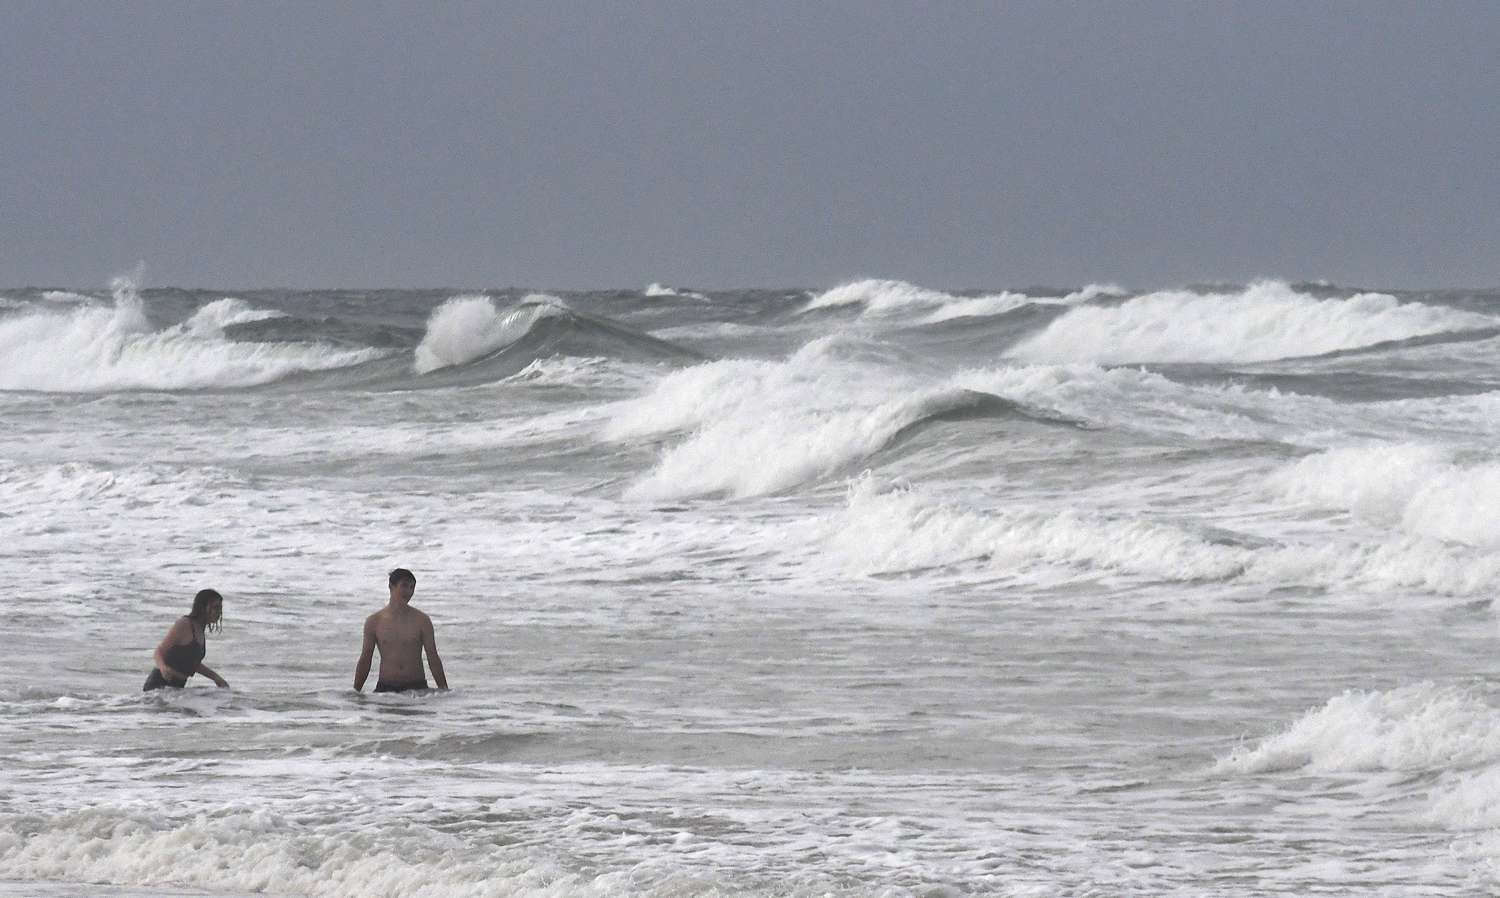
{"points": [[180, 654]]}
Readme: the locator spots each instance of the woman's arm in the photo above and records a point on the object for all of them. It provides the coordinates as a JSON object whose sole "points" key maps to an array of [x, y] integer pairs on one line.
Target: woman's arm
{"points": [[207, 671]]}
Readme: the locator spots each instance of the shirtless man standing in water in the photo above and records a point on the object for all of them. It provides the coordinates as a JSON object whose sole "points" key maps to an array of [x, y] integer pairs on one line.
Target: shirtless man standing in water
{"points": [[401, 632]]}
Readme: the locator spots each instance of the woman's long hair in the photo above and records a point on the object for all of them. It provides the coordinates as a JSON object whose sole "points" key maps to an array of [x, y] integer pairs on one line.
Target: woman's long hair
{"points": [[201, 601]]}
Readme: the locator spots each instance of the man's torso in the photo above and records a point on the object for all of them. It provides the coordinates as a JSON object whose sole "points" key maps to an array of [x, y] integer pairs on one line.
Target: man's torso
{"points": [[398, 635]]}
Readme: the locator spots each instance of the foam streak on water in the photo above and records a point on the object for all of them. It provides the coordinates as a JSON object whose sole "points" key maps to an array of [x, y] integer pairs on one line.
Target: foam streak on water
{"points": [[882, 590]]}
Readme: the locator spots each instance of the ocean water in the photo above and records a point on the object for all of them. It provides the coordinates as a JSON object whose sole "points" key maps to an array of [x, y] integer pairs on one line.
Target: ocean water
{"points": [[873, 591]]}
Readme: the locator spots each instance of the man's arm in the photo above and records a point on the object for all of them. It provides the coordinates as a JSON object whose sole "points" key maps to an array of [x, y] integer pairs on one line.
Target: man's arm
{"points": [[366, 653], [429, 643]]}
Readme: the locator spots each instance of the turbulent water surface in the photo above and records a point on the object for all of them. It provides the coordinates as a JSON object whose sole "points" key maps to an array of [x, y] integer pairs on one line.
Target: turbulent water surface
{"points": [[876, 591]]}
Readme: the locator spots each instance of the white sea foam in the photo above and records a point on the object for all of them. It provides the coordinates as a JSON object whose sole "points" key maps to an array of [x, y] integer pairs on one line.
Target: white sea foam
{"points": [[1418, 727], [379, 829], [1470, 803], [1393, 563], [1473, 802], [81, 483], [92, 348], [467, 327], [1268, 320], [1419, 489], [1424, 728], [893, 530], [263, 851]]}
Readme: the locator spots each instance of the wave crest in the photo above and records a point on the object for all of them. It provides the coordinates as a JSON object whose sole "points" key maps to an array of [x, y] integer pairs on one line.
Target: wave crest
{"points": [[1416, 727], [468, 327], [657, 289], [759, 427], [877, 295], [1265, 321], [98, 348]]}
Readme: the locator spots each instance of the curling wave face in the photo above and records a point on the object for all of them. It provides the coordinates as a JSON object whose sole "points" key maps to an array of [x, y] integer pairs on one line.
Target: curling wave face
{"points": [[467, 327]]}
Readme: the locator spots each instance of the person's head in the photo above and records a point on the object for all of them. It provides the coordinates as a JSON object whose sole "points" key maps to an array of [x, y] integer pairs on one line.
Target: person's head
{"points": [[208, 608], [403, 584]]}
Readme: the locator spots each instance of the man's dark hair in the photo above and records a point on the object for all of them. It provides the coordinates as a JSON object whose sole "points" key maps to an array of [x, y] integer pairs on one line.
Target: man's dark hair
{"points": [[400, 574]]}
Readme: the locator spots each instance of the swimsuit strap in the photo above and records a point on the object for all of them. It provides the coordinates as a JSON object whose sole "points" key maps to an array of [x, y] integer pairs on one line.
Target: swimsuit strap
{"points": [[193, 628]]}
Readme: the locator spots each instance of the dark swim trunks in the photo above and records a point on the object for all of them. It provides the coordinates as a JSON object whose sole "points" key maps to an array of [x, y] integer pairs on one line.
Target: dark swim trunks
{"points": [[407, 686]]}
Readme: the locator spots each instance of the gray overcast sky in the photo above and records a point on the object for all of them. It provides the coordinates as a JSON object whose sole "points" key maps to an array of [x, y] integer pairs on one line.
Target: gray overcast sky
{"points": [[573, 145]]}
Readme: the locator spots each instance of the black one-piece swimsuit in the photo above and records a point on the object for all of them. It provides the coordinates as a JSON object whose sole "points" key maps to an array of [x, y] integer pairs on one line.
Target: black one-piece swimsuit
{"points": [[184, 657]]}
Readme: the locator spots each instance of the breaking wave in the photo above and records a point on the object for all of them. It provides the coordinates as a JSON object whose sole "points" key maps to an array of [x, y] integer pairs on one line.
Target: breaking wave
{"points": [[469, 339], [760, 427], [1420, 490], [1265, 321], [92, 347], [1414, 727], [888, 297], [467, 327]]}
